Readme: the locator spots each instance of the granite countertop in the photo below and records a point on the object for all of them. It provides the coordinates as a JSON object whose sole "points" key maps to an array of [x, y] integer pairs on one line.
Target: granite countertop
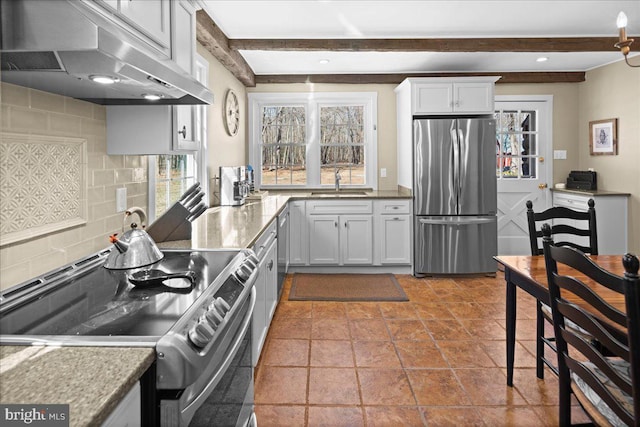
{"points": [[91, 380], [591, 193], [232, 227]]}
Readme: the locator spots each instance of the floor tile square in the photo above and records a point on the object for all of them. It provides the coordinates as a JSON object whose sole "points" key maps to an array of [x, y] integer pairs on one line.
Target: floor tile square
{"points": [[330, 329], [420, 354], [333, 386], [281, 385], [437, 387], [335, 416], [369, 330], [465, 354], [331, 353], [388, 416], [407, 330], [385, 387], [286, 352], [376, 354]]}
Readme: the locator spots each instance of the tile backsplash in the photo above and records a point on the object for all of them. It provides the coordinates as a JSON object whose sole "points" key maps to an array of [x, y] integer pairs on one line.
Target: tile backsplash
{"points": [[32, 112]]}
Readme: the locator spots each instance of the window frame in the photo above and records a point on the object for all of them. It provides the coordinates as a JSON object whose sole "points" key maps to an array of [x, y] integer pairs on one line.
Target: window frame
{"points": [[199, 155], [313, 101]]}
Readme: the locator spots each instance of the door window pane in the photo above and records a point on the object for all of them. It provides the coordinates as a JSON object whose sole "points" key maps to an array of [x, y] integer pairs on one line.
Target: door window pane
{"points": [[516, 144]]}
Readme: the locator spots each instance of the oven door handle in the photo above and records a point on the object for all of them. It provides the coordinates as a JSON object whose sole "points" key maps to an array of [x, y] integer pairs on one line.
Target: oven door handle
{"points": [[189, 411]]}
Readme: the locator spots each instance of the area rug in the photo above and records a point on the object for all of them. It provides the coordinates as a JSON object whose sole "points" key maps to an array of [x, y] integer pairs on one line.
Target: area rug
{"points": [[345, 287]]}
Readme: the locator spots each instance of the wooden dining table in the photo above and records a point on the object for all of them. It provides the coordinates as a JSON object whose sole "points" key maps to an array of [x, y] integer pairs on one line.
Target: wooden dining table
{"points": [[529, 274]]}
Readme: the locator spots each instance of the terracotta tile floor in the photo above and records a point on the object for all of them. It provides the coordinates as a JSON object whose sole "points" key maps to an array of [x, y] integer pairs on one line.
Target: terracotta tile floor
{"points": [[437, 360]]}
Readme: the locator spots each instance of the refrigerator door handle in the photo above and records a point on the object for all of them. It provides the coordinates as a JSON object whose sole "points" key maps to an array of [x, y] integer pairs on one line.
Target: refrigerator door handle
{"points": [[458, 221], [456, 166], [459, 172]]}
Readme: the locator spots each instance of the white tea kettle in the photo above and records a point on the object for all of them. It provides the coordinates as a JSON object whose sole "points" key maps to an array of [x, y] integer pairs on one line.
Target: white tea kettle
{"points": [[135, 248]]}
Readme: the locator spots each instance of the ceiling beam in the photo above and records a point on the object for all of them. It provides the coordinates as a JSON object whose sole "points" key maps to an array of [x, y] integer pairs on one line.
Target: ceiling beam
{"points": [[216, 42], [556, 44], [510, 77]]}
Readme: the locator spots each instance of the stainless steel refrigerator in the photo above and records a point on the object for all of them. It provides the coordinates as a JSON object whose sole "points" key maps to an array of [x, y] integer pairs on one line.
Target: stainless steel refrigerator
{"points": [[455, 195]]}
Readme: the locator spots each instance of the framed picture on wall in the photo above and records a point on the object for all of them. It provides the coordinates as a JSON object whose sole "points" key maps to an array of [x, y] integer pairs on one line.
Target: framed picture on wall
{"points": [[603, 137]]}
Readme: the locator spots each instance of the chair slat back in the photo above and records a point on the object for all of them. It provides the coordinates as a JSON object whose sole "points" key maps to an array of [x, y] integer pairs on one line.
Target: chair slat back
{"points": [[574, 298], [585, 228]]}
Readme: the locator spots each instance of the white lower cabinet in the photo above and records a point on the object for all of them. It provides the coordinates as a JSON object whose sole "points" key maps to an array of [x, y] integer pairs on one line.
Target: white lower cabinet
{"points": [[266, 285], [340, 232], [355, 232], [611, 217], [394, 234], [324, 239], [128, 413], [340, 239], [356, 238], [298, 233]]}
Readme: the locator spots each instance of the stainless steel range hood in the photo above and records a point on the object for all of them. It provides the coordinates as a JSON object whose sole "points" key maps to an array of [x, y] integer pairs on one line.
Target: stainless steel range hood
{"points": [[55, 45]]}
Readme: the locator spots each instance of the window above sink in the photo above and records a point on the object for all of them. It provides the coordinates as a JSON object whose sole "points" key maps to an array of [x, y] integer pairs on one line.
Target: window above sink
{"points": [[302, 140]]}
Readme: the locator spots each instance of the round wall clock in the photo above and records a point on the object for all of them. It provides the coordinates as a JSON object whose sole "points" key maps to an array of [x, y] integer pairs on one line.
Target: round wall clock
{"points": [[232, 112]]}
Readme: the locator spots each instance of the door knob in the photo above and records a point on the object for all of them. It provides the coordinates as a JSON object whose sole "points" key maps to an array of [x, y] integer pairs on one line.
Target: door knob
{"points": [[541, 159], [542, 186]]}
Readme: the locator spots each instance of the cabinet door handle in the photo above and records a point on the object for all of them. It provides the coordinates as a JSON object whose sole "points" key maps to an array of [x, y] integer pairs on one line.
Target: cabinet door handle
{"points": [[183, 132], [270, 265], [396, 219], [335, 223], [345, 224]]}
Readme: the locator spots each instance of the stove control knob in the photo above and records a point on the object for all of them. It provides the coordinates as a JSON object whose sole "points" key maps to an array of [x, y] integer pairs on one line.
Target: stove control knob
{"points": [[252, 259], [201, 334], [213, 317], [244, 272], [221, 305]]}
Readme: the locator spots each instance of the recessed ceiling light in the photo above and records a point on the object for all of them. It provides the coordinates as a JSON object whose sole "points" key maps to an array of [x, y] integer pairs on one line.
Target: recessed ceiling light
{"points": [[152, 96], [542, 59], [324, 61], [104, 80]]}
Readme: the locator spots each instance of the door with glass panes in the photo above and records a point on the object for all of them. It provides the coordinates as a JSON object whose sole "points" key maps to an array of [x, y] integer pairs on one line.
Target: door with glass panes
{"points": [[523, 166]]}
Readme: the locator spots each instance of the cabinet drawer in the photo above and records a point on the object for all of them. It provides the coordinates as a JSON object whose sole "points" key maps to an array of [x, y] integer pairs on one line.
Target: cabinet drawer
{"points": [[392, 207], [315, 207], [571, 201]]}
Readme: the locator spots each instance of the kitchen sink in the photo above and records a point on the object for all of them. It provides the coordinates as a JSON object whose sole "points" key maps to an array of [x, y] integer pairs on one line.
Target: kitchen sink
{"points": [[339, 193]]}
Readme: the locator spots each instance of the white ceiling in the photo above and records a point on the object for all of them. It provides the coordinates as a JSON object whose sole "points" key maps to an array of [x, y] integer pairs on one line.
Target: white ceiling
{"points": [[342, 19]]}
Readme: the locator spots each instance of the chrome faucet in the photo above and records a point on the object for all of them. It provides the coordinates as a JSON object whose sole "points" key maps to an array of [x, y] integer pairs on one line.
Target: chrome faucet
{"points": [[338, 178]]}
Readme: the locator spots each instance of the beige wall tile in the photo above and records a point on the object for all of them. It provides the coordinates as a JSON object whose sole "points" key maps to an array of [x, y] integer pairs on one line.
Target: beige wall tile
{"points": [[4, 117], [75, 107], [64, 124], [16, 273], [45, 101], [92, 127], [103, 177], [14, 95], [25, 120]]}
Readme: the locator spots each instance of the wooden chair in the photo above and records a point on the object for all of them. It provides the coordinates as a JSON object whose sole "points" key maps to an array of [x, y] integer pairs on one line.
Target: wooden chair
{"points": [[586, 227], [607, 387]]}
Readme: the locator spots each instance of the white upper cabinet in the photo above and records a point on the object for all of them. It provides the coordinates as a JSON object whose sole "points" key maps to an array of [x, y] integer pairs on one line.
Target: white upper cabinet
{"points": [[183, 51], [183, 35], [151, 19], [464, 95], [161, 129]]}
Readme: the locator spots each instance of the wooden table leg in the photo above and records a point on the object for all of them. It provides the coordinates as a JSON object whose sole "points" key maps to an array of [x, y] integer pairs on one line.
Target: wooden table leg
{"points": [[511, 327]]}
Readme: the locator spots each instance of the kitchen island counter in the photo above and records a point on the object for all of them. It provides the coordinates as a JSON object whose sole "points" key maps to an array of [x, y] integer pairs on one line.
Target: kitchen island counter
{"points": [[91, 380], [230, 227]]}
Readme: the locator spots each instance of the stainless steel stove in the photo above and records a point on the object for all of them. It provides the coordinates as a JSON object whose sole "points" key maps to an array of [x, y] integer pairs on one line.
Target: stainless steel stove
{"points": [[200, 329]]}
